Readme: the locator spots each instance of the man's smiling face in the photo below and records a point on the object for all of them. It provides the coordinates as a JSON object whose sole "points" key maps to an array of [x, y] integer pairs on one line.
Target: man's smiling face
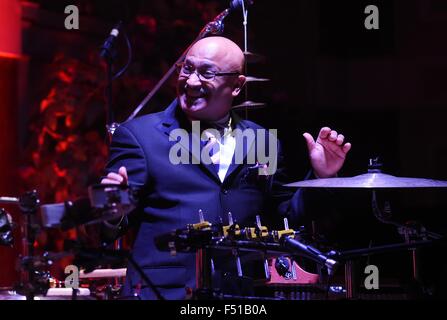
{"points": [[210, 100]]}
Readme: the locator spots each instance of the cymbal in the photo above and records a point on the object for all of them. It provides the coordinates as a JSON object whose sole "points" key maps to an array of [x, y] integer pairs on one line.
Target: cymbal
{"points": [[370, 181], [250, 104], [251, 57], [255, 79]]}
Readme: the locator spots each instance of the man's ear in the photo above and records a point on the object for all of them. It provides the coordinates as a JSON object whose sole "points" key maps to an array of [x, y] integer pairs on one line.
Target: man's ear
{"points": [[239, 84]]}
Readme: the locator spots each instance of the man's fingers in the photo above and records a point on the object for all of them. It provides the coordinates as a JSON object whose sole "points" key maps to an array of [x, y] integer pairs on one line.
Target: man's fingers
{"points": [[333, 135], [324, 132], [340, 139], [328, 134], [346, 147], [123, 172], [115, 176], [109, 181], [309, 140]]}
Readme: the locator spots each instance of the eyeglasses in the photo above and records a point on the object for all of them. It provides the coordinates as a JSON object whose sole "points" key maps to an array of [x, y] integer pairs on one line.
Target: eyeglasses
{"points": [[186, 70]]}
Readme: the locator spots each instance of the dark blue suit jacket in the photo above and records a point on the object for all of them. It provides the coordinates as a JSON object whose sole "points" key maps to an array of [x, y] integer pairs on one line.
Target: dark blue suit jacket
{"points": [[173, 195]]}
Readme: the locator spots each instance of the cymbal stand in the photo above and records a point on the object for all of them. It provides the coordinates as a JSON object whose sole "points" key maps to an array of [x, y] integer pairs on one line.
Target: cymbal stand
{"points": [[245, 23], [349, 257], [32, 280], [247, 103], [410, 232], [204, 272], [351, 279]]}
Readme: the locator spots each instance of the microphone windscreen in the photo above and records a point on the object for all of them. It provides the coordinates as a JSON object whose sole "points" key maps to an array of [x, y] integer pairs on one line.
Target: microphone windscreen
{"points": [[237, 4]]}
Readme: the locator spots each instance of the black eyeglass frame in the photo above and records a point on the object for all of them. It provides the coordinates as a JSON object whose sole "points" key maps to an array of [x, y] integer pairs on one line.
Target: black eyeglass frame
{"points": [[179, 67]]}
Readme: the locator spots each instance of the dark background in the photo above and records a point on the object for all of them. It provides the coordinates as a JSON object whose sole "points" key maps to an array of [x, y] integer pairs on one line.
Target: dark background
{"points": [[383, 89]]}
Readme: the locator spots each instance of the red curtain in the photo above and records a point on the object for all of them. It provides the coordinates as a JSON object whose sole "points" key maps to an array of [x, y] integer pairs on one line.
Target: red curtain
{"points": [[9, 182], [10, 59]]}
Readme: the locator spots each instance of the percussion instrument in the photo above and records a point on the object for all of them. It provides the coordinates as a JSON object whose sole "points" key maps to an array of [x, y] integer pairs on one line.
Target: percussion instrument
{"points": [[371, 180]]}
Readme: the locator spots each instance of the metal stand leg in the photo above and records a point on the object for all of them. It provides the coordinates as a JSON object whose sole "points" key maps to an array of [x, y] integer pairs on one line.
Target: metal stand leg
{"points": [[415, 260], [204, 271], [350, 279]]}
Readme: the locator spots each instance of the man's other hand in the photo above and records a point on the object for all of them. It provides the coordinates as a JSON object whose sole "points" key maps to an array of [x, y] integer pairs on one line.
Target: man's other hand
{"points": [[327, 154], [116, 178]]}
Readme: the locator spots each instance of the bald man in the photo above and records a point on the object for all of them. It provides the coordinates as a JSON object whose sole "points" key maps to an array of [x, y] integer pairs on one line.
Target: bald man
{"points": [[209, 79]]}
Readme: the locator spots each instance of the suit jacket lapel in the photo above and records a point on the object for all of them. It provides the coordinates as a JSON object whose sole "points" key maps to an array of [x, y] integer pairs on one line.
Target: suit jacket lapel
{"points": [[173, 120]]}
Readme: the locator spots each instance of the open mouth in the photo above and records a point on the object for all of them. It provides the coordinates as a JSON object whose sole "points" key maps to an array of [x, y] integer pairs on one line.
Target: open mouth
{"points": [[194, 94], [192, 97]]}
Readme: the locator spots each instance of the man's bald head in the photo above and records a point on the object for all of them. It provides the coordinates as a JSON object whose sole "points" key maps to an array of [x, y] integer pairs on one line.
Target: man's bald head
{"points": [[220, 49], [205, 97]]}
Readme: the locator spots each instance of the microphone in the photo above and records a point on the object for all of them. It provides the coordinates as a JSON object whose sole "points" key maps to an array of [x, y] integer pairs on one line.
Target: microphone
{"points": [[219, 19], [309, 252], [237, 4], [108, 44], [216, 26]]}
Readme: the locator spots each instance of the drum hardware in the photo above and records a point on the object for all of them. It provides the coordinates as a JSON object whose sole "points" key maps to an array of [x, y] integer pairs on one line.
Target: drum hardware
{"points": [[255, 79], [203, 237], [41, 285], [375, 180], [52, 294], [105, 202], [412, 232], [6, 236], [350, 279], [250, 105], [348, 257], [113, 202], [251, 57], [370, 180], [103, 273], [282, 266], [7, 200], [287, 272], [90, 259], [32, 280], [38, 281], [45, 286]]}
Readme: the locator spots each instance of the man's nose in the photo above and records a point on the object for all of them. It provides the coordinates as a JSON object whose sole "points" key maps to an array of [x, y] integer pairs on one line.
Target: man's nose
{"points": [[193, 80]]}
